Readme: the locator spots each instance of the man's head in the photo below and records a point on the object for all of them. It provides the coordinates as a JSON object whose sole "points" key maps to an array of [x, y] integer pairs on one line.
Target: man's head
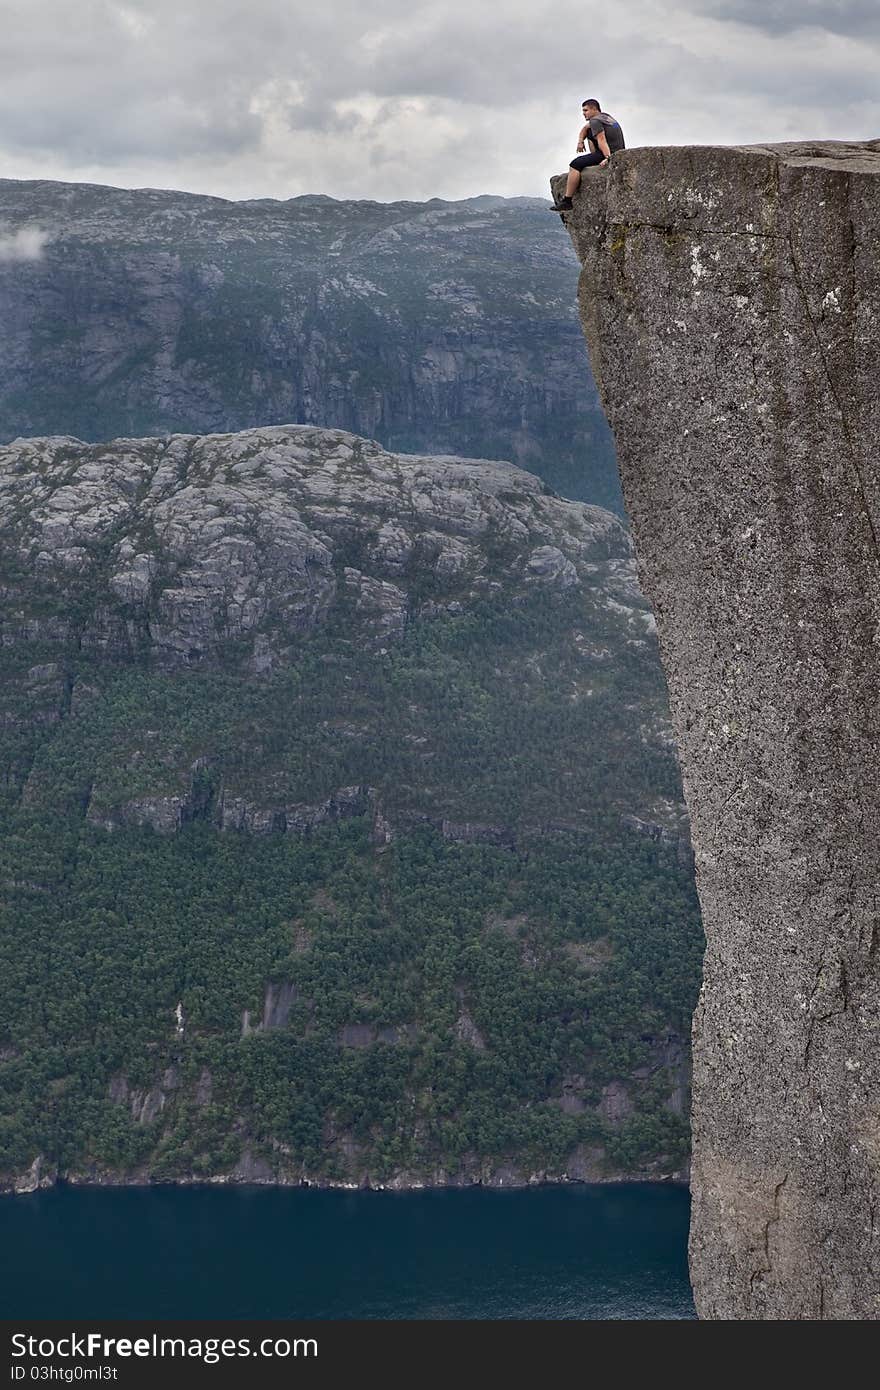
{"points": [[590, 107]]}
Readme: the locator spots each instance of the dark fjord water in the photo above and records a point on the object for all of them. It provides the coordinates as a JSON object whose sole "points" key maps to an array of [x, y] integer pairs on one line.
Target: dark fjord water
{"points": [[566, 1252]]}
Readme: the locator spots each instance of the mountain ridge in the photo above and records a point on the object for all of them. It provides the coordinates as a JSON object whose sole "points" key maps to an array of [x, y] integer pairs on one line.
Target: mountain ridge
{"points": [[436, 328]]}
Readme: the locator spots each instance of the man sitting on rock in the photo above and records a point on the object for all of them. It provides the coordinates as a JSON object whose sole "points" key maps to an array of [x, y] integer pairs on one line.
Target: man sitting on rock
{"points": [[604, 135]]}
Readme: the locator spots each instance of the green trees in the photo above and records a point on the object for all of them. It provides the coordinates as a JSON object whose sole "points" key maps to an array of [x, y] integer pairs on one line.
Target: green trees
{"points": [[452, 1003], [400, 946]]}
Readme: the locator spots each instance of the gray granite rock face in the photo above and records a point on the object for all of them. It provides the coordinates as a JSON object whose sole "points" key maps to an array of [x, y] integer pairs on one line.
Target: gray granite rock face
{"points": [[731, 302]]}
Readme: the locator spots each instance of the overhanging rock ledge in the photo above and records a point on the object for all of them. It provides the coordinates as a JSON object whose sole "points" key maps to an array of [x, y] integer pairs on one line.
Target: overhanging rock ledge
{"points": [[731, 302]]}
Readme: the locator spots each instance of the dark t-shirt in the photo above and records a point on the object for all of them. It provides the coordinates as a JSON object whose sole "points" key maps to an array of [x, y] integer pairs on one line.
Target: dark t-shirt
{"points": [[613, 132]]}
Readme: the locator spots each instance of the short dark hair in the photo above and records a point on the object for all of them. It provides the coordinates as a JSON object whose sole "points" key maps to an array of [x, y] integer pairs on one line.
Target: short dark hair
{"points": [[591, 101]]}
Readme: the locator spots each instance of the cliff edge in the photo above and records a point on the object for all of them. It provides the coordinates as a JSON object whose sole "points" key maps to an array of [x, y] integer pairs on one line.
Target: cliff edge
{"points": [[731, 303]]}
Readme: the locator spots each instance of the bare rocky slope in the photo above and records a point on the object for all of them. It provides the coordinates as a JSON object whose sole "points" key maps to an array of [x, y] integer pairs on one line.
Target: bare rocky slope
{"points": [[435, 327], [196, 542], [731, 301]]}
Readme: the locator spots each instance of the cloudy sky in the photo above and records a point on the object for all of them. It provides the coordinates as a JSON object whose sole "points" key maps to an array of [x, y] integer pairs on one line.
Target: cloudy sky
{"points": [[402, 99]]}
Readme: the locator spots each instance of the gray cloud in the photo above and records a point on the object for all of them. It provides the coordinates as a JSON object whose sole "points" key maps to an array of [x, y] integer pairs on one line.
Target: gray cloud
{"points": [[387, 98], [851, 18]]}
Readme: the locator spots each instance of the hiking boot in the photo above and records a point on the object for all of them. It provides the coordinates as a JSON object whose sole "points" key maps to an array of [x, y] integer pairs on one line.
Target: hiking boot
{"points": [[564, 205]]}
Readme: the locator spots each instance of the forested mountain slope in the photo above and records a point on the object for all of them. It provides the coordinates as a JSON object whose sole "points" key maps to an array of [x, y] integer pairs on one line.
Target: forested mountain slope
{"points": [[322, 768]]}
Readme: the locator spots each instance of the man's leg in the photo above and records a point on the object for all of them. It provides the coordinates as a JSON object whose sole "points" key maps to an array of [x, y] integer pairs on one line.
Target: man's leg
{"points": [[583, 161]]}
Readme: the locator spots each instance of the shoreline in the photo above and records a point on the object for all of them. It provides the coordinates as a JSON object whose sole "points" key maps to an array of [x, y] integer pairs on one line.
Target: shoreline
{"points": [[30, 1184]]}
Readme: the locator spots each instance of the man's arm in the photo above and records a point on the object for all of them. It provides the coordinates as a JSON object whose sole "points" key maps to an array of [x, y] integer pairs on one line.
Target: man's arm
{"points": [[602, 142], [581, 138]]}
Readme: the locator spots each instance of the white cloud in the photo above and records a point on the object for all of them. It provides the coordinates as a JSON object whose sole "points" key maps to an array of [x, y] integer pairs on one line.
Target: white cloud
{"points": [[24, 245], [402, 98], [138, 25]]}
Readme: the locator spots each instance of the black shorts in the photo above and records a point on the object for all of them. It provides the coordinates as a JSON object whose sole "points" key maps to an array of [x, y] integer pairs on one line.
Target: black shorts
{"points": [[584, 161]]}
